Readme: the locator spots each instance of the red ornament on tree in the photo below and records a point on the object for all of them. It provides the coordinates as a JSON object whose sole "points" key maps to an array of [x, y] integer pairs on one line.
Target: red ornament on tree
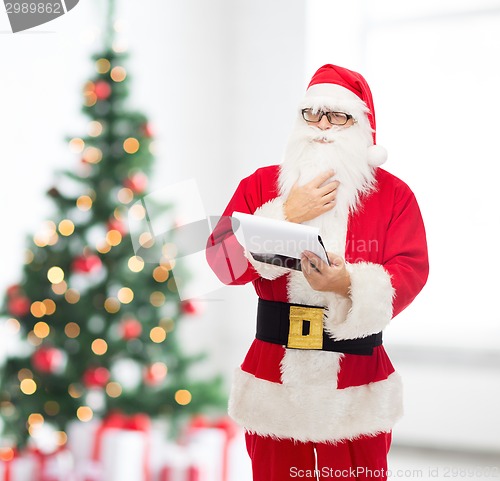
{"points": [[13, 290], [96, 377], [86, 264], [137, 182], [146, 130], [115, 224], [102, 90], [48, 360], [19, 306], [155, 374], [191, 307], [130, 329]]}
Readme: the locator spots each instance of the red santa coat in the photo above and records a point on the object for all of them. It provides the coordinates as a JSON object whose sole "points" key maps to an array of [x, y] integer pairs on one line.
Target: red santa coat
{"points": [[325, 396]]}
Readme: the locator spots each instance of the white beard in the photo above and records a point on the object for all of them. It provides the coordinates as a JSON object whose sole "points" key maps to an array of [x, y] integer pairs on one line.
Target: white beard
{"points": [[347, 155]]}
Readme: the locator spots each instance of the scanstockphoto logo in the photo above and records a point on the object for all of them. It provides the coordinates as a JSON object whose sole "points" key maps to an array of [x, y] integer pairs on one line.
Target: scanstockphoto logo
{"points": [[26, 14]]}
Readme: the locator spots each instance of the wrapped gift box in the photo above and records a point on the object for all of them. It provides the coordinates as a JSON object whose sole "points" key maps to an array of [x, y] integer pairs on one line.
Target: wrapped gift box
{"points": [[115, 449], [20, 468], [178, 465], [55, 466], [124, 455], [209, 444]]}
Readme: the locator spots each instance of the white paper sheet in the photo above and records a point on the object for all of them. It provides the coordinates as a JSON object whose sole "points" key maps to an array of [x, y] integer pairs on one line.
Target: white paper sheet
{"points": [[267, 239]]}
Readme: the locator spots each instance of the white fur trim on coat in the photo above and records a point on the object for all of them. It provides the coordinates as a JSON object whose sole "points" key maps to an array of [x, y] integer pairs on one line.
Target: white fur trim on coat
{"points": [[316, 412], [272, 210], [369, 308], [266, 271]]}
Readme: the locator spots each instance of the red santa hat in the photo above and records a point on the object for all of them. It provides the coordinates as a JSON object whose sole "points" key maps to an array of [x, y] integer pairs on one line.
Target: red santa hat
{"points": [[339, 88]]}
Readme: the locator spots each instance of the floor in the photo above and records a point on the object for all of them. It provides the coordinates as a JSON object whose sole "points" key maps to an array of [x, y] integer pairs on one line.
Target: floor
{"points": [[428, 464]]}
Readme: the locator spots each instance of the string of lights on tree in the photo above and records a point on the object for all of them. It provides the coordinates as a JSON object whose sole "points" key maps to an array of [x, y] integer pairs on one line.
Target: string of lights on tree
{"points": [[98, 323]]}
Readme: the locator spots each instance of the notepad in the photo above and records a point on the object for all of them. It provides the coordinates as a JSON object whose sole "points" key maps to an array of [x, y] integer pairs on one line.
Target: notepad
{"points": [[277, 242]]}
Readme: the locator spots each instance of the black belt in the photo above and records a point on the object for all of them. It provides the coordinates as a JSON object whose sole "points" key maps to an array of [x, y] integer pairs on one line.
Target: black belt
{"points": [[296, 326]]}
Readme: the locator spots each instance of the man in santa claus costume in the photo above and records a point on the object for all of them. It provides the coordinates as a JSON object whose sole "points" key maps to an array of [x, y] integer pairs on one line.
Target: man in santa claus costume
{"points": [[317, 394]]}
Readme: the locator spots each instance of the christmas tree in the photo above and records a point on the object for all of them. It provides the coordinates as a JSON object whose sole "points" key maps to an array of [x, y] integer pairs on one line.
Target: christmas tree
{"points": [[98, 322]]}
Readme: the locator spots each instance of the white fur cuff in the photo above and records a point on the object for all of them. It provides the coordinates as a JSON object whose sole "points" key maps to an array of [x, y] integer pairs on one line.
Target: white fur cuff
{"points": [[369, 309], [266, 271], [272, 210]]}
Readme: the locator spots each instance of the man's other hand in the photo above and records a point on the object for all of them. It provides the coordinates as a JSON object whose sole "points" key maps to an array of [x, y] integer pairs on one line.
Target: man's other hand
{"points": [[324, 277], [310, 200]]}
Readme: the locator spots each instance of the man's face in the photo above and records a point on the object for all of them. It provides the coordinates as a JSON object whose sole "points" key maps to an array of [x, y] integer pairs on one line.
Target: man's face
{"points": [[324, 124], [325, 120]]}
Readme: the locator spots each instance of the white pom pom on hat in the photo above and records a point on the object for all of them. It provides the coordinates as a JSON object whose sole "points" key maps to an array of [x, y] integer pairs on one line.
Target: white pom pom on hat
{"points": [[355, 83], [377, 155]]}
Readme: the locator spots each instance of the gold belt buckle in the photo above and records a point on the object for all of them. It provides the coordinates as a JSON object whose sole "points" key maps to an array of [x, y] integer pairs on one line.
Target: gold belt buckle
{"points": [[306, 328]]}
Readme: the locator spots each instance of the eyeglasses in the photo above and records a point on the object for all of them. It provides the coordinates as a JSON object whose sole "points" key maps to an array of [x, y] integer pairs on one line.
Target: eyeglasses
{"points": [[335, 118]]}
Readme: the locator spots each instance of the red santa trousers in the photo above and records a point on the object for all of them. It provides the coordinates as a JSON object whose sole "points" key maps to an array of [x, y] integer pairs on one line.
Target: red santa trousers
{"points": [[364, 458]]}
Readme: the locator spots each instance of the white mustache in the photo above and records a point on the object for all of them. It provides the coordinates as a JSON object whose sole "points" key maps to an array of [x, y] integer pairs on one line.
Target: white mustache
{"points": [[325, 136], [323, 139]]}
